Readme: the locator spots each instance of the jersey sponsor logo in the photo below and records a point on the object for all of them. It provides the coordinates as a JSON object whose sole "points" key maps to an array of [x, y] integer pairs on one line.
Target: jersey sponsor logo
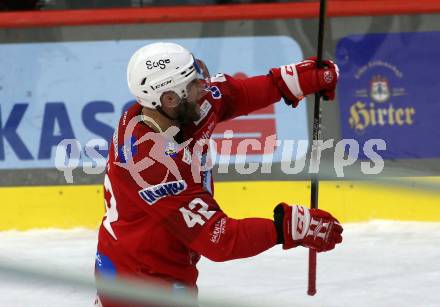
{"points": [[204, 110], [219, 230], [124, 118], [162, 64], [152, 194]]}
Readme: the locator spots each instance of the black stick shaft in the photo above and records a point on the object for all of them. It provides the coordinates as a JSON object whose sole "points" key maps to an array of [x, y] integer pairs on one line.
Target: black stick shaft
{"points": [[316, 136]]}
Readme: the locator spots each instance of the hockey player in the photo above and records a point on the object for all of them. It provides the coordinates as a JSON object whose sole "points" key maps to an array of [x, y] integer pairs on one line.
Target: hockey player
{"points": [[161, 213]]}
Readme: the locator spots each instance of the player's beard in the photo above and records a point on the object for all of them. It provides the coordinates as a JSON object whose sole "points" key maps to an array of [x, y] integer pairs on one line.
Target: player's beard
{"points": [[188, 111]]}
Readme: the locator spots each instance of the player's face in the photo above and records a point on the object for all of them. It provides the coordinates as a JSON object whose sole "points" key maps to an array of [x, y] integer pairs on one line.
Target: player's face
{"points": [[196, 89], [188, 109]]}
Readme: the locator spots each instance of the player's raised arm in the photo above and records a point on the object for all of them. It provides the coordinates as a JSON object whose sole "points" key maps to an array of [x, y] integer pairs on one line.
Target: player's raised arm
{"points": [[191, 214], [198, 222], [291, 82], [226, 238]]}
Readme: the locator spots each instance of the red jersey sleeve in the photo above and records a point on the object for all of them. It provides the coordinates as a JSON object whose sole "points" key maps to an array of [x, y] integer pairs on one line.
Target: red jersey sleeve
{"points": [[200, 224], [236, 97]]}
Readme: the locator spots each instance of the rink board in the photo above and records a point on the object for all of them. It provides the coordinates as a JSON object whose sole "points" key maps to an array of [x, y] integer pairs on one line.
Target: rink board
{"points": [[82, 206]]}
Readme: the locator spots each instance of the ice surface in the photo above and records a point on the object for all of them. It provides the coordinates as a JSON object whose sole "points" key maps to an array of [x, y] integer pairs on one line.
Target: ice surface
{"points": [[380, 263]]}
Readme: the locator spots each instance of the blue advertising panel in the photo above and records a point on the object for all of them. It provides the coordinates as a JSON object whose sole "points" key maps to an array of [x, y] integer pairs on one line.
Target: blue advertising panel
{"points": [[78, 90], [389, 89]]}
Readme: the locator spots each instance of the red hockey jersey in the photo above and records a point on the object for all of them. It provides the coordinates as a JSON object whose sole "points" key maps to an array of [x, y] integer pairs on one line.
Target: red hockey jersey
{"points": [[162, 217]]}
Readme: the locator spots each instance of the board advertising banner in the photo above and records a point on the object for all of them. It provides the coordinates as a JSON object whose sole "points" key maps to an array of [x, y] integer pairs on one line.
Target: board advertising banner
{"points": [[78, 90], [388, 90]]}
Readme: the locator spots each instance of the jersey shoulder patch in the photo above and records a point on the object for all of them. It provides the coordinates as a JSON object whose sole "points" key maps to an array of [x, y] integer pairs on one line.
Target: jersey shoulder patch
{"points": [[218, 78], [215, 92]]}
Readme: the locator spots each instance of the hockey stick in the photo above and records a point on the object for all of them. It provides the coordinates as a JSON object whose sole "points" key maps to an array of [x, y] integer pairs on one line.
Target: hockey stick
{"points": [[311, 290]]}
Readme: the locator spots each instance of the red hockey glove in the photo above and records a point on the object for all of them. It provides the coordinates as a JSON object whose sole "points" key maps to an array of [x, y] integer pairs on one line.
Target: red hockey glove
{"points": [[311, 228], [298, 80]]}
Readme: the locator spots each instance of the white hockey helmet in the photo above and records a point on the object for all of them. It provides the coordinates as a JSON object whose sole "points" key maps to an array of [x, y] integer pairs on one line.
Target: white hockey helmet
{"points": [[160, 67]]}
